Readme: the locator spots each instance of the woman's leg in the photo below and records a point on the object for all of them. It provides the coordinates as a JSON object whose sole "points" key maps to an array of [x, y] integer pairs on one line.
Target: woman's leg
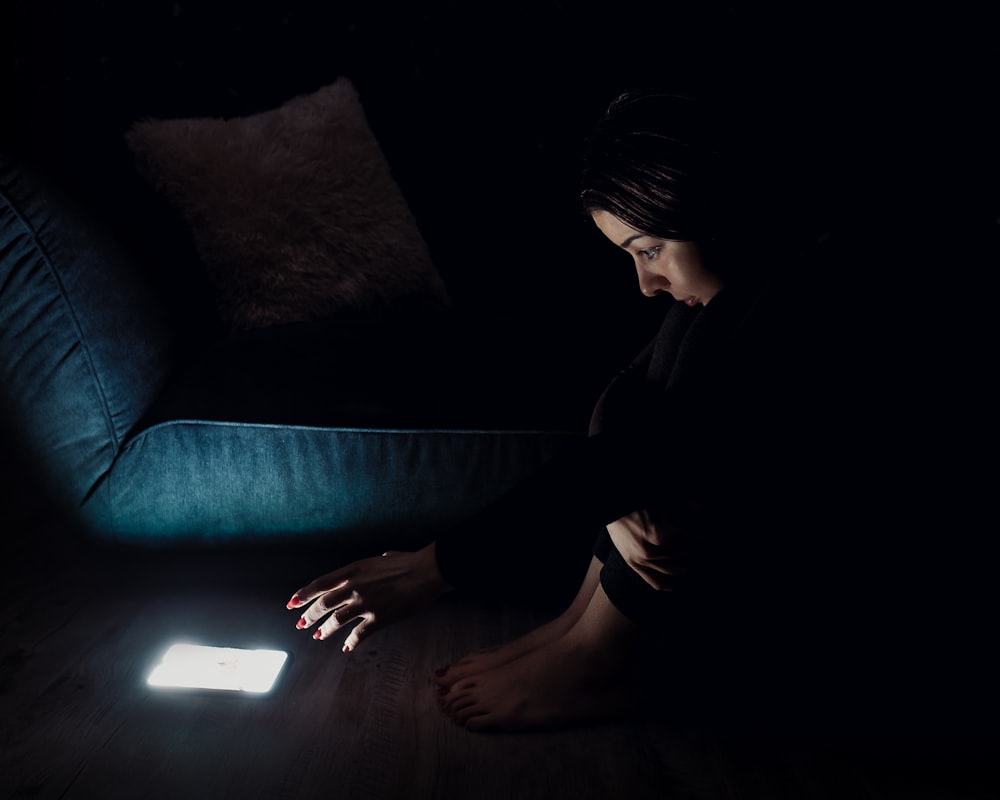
{"points": [[485, 660], [585, 665], [542, 531], [580, 674]]}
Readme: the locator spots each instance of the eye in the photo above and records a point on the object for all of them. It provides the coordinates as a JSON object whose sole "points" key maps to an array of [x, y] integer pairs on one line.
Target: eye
{"points": [[649, 253]]}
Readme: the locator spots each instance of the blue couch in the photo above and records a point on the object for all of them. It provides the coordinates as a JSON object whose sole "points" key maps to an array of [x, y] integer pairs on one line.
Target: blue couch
{"points": [[336, 430]]}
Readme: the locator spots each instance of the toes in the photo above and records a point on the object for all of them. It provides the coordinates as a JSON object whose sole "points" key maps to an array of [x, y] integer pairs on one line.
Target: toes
{"points": [[479, 722], [458, 703], [445, 699], [441, 676], [474, 717], [456, 692], [448, 680]]}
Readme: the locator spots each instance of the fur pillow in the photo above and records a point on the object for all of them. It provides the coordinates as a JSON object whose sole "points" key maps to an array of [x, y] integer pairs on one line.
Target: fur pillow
{"points": [[294, 211]]}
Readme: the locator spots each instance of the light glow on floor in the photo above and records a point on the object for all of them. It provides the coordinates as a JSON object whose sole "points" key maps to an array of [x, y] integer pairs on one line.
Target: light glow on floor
{"points": [[195, 666]]}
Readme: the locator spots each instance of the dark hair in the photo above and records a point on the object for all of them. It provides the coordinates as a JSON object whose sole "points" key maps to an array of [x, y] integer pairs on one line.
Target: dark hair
{"points": [[656, 161], [700, 168], [652, 162]]}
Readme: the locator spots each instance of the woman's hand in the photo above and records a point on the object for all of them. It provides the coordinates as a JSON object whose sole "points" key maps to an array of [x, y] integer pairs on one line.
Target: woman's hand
{"points": [[376, 591], [653, 547]]}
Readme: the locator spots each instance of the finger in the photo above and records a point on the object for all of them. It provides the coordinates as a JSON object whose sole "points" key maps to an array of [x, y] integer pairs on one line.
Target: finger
{"points": [[307, 594], [663, 565], [653, 580], [635, 530], [339, 618], [323, 605], [668, 534], [325, 583], [624, 525], [660, 581], [360, 631]]}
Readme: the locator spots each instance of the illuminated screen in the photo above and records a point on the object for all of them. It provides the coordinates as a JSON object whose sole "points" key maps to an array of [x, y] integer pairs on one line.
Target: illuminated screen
{"points": [[195, 666]]}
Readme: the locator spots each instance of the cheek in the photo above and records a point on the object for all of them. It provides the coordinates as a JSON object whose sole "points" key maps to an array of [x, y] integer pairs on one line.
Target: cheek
{"points": [[672, 272], [690, 274]]}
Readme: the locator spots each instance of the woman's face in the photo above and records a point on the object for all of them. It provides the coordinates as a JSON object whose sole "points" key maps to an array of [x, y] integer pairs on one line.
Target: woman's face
{"points": [[663, 265]]}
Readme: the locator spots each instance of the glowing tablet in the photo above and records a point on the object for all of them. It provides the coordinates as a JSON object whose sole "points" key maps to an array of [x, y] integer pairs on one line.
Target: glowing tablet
{"points": [[196, 666]]}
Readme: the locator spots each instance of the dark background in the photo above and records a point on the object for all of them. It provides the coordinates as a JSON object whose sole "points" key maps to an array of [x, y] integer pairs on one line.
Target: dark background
{"points": [[481, 109]]}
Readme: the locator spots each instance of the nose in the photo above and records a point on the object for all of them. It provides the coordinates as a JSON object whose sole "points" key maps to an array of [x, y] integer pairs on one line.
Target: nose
{"points": [[649, 283]]}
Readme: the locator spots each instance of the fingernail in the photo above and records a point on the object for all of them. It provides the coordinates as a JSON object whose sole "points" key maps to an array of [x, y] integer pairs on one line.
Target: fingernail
{"points": [[293, 602], [346, 648], [318, 635], [301, 623]]}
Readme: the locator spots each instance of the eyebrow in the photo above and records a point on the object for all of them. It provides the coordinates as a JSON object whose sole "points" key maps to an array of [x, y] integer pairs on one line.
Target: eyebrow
{"points": [[631, 239]]}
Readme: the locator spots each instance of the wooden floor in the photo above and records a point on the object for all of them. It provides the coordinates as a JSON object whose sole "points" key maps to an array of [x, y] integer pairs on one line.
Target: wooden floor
{"points": [[81, 628]]}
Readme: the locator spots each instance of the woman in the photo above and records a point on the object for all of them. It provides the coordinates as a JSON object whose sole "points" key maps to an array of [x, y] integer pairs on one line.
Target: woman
{"points": [[672, 473]]}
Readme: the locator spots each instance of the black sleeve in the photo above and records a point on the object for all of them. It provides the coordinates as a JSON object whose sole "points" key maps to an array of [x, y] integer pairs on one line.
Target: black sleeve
{"points": [[540, 535], [615, 406]]}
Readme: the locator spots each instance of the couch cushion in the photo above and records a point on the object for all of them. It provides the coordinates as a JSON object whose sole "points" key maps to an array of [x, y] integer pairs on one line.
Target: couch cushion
{"points": [[204, 483], [83, 350]]}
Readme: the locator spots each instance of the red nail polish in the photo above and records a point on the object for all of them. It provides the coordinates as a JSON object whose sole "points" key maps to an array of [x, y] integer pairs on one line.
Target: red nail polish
{"points": [[346, 648], [318, 635], [300, 624]]}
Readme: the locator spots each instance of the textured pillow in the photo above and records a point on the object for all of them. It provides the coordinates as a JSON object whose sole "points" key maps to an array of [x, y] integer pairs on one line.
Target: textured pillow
{"points": [[294, 211]]}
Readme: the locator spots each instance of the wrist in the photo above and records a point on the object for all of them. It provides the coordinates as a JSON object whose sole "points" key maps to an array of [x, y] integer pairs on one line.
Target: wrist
{"points": [[435, 579]]}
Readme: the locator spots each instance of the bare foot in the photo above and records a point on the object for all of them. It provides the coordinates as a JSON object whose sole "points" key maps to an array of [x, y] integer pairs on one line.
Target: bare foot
{"points": [[493, 657], [581, 676], [557, 685]]}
